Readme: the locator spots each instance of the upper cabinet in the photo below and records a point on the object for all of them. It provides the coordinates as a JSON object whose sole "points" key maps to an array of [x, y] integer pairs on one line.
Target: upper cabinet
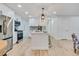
{"points": [[36, 22], [33, 22]]}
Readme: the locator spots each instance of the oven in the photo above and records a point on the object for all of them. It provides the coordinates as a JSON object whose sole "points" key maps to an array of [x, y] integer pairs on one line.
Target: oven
{"points": [[19, 35]]}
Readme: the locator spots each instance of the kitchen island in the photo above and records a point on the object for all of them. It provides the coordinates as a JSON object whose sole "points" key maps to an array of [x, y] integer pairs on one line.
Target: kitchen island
{"points": [[39, 43]]}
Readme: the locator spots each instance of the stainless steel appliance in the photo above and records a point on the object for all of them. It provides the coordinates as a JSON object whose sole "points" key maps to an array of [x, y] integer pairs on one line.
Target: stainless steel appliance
{"points": [[19, 35]]}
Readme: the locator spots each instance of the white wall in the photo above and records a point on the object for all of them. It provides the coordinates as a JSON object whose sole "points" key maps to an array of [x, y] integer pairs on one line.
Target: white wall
{"points": [[63, 26], [25, 29]]}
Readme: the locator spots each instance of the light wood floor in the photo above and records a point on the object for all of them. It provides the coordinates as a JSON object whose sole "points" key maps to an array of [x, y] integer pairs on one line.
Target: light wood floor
{"points": [[61, 48], [58, 48]]}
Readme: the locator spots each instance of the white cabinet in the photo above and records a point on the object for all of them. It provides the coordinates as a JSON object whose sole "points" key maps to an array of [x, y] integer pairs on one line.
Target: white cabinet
{"points": [[39, 41], [36, 22], [33, 22]]}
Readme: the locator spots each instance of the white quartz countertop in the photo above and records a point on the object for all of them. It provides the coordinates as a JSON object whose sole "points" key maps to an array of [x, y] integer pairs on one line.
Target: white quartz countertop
{"points": [[37, 32]]}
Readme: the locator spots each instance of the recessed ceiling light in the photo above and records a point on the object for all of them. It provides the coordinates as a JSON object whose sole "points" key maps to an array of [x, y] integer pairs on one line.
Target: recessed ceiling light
{"points": [[26, 12], [19, 6], [54, 12]]}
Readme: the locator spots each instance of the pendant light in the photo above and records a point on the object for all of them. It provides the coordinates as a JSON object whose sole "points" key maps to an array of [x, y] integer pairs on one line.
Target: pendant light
{"points": [[42, 15]]}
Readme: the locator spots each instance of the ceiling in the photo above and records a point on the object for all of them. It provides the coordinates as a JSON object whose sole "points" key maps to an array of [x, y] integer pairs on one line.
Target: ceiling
{"points": [[34, 9]]}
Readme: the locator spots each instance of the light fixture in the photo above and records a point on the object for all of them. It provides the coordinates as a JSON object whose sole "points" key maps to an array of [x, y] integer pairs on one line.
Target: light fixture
{"points": [[26, 12], [19, 6], [42, 15]]}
